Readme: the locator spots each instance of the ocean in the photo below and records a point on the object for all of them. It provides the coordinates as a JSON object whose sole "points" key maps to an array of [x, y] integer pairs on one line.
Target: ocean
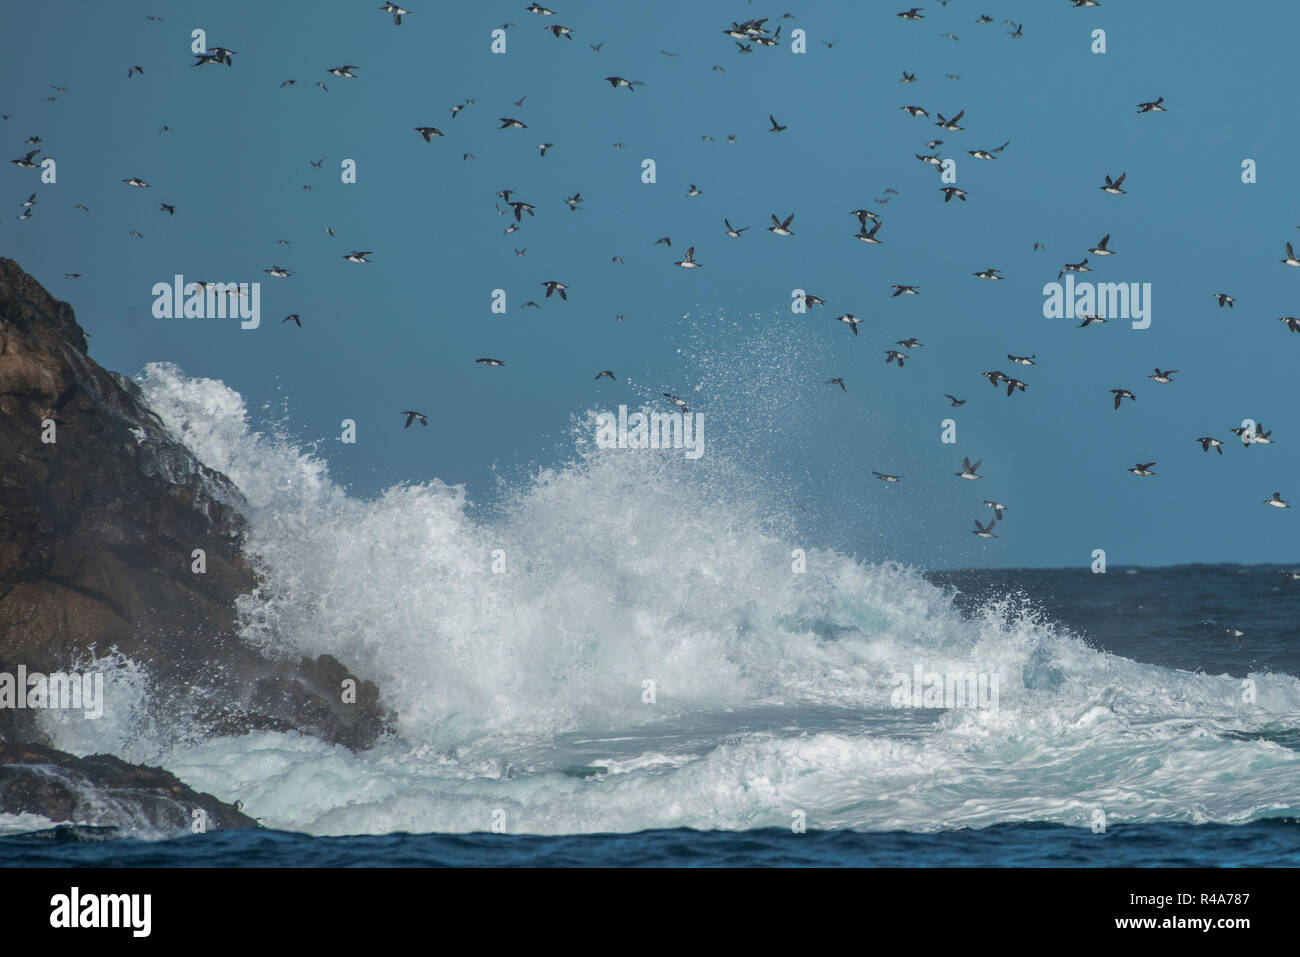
{"points": [[579, 682]]}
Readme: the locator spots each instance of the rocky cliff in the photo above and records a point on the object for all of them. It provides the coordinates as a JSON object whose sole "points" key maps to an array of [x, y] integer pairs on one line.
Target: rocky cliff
{"points": [[100, 513]]}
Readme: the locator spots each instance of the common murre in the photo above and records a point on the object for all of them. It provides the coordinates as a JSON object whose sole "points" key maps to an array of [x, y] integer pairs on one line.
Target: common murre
{"points": [[1122, 394], [780, 228], [687, 262], [849, 320]]}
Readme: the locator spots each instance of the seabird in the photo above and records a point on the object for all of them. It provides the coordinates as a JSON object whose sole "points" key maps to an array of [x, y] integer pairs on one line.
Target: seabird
{"points": [[837, 381], [136, 182], [1122, 394], [849, 320], [520, 208], [1014, 384], [983, 532], [345, 70], [994, 377], [539, 9], [687, 262], [680, 403], [913, 14], [606, 372], [292, 318], [988, 274], [278, 271], [1207, 442], [490, 362], [810, 300], [885, 477], [1100, 249], [558, 31], [969, 471], [428, 132], [507, 123], [358, 257], [950, 125], [997, 509], [1224, 299], [892, 355], [869, 236], [915, 111], [395, 10], [1276, 501], [950, 191], [693, 191], [553, 286], [1113, 187], [167, 208], [617, 81], [732, 231], [1290, 256], [905, 291], [781, 228], [776, 127], [543, 147], [1143, 468], [134, 70], [1163, 377], [1090, 320], [574, 202], [1153, 106], [1292, 322], [954, 400], [26, 161], [1074, 267]]}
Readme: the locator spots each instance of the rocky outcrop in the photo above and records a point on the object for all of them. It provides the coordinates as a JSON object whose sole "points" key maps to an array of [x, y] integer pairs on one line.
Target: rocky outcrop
{"points": [[100, 514], [101, 790]]}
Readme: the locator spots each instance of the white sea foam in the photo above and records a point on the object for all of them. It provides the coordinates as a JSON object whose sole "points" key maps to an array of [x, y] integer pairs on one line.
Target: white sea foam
{"points": [[523, 691]]}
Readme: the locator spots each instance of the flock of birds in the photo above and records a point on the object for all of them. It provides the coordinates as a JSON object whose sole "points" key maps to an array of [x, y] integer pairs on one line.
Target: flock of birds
{"points": [[746, 36]]}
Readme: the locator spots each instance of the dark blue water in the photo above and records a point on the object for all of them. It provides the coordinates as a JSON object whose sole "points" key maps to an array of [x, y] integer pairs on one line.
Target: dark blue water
{"points": [[1272, 843]]}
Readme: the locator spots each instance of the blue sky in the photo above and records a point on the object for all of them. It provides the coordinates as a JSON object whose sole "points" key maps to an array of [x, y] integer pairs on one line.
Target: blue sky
{"points": [[403, 331]]}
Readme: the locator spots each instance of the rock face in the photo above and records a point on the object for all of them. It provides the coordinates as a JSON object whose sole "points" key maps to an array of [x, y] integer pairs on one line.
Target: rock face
{"points": [[102, 790], [97, 529]]}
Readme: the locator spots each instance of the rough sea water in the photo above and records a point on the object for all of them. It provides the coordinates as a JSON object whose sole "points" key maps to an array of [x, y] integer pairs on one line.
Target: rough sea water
{"points": [[1127, 729]]}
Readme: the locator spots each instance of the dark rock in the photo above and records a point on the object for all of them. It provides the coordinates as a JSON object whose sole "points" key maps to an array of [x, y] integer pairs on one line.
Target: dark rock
{"points": [[96, 535], [101, 790]]}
